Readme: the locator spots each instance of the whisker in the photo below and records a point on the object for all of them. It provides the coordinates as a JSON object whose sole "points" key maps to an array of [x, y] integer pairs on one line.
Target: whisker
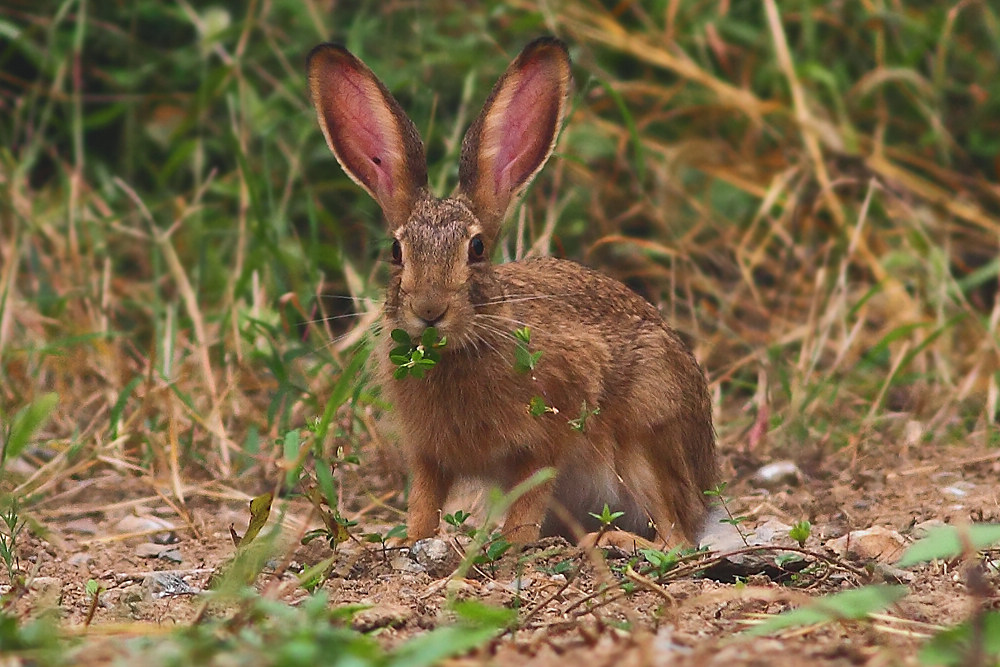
{"points": [[347, 297], [330, 318], [520, 298]]}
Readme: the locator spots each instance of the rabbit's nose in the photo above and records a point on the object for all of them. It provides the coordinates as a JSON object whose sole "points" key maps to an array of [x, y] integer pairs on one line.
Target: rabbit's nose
{"points": [[429, 310]]}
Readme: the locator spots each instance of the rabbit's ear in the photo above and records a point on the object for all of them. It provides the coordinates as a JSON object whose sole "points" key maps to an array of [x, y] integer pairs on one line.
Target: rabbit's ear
{"points": [[374, 141], [516, 131]]}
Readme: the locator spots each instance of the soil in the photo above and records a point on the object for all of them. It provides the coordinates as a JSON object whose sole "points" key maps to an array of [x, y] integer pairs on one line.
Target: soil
{"points": [[689, 619]]}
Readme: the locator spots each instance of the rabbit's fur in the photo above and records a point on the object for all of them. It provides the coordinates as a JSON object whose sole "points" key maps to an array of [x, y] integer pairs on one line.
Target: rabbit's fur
{"points": [[649, 452]]}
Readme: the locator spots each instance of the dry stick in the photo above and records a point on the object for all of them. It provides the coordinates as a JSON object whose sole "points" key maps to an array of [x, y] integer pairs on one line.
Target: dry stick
{"points": [[680, 572], [538, 606]]}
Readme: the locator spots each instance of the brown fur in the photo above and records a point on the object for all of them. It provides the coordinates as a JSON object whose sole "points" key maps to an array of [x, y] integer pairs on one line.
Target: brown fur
{"points": [[650, 452]]}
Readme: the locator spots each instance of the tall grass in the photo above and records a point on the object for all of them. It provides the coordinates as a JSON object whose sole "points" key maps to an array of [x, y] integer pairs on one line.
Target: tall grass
{"points": [[807, 189]]}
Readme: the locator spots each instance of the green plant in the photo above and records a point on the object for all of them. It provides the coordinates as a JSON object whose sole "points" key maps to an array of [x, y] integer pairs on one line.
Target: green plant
{"points": [[661, 562], [9, 533], [735, 521], [856, 604], [580, 423], [414, 359], [493, 550], [17, 432], [800, 532], [397, 532], [537, 407], [607, 518], [457, 520], [524, 359]]}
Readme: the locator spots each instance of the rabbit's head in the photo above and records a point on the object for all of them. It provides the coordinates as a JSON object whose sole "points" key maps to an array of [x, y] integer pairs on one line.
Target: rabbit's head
{"points": [[441, 248]]}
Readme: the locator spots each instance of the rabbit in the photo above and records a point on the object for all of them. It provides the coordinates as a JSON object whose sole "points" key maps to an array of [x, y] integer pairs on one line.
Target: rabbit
{"points": [[647, 446]]}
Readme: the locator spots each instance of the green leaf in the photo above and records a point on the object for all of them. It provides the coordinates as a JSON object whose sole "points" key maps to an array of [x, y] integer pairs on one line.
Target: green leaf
{"points": [[523, 361], [28, 420], [341, 391], [396, 531], [429, 337], [953, 645], [435, 646], [400, 372], [800, 532], [661, 561], [324, 479], [401, 337], [523, 334], [537, 406], [260, 510], [115, 415], [945, 542], [484, 615], [854, 604]]}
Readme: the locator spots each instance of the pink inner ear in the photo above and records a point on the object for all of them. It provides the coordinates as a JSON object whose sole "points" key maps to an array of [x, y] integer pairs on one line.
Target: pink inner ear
{"points": [[525, 129], [366, 143]]}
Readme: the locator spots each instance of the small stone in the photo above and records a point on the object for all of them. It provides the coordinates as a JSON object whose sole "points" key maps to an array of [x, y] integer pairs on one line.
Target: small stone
{"points": [[158, 530], [82, 526], [432, 554], [770, 532], [519, 584], [430, 551], [80, 559], [777, 475], [402, 563], [167, 583], [876, 543], [959, 489], [381, 616]]}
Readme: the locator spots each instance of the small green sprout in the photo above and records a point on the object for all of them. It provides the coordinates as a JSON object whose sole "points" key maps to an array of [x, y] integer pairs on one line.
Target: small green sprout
{"points": [[607, 517], [494, 550], [457, 519], [661, 562], [415, 359], [524, 359], [580, 423], [800, 532]]}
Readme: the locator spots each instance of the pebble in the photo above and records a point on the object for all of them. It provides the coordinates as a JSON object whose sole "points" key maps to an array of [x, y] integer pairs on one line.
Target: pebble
{"points": [[162, 529], [430, 551], [381, 616], [876, 543], [80, 559], [432, 554], [82, 526], [403, 563], [162, 584], [149, 550], [777, 475]]}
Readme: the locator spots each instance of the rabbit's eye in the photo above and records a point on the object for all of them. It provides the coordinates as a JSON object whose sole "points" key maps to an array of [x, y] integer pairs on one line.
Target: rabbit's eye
{"points": [[476, 249], [397, 252]]}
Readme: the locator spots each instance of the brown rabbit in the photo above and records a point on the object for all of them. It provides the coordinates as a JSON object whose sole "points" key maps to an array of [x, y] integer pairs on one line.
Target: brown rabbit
{"points": [[649, 451]]}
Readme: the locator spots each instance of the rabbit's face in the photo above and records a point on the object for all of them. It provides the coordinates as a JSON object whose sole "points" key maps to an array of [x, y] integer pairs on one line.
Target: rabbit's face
{"points": [[441, 273]]}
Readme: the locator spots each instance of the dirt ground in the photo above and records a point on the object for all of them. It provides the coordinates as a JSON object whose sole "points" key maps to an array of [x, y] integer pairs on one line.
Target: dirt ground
{"points": [[687, 620]]}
